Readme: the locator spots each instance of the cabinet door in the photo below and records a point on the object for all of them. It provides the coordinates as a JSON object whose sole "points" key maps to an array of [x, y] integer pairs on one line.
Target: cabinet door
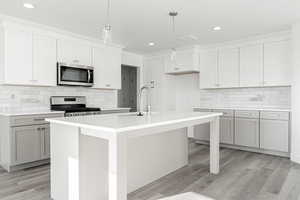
{"points": [[74, 52], [202, 132], [107, 67], [228, 67], [45, 132], [44, 60], [208, 69], [274, 135], [251, 66], [26, 144], [226, 130], [247, 132], [277, 63], [18, 57]]}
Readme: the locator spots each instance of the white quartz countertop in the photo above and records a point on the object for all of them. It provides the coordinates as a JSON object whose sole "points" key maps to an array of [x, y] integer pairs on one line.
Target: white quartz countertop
{"points": [[129, 122], [28, 112], [240, 108]]}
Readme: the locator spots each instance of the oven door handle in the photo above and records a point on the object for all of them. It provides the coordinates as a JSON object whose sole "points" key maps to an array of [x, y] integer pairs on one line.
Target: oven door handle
{"points": [[89, 76]]}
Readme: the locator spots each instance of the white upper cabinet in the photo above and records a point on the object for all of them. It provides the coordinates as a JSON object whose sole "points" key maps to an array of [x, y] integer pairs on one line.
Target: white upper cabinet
{"points": [[208, 69], [277, 63], [186, 61], [228, 67], [74, 52], [44, 60], [18, 56], [29, 58], [251, 66], [107, 67]]}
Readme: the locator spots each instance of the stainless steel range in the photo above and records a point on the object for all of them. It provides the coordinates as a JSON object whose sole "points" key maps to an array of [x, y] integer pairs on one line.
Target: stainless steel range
{"points": [[72, 106]]}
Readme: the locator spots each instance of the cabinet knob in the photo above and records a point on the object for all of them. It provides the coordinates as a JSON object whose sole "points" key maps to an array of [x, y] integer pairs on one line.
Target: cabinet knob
{"points": [[75, 61], [176, 68], [107, 85]]}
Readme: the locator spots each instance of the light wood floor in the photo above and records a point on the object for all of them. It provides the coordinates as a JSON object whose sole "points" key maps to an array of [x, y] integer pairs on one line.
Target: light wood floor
{"points": [[243, 176]]}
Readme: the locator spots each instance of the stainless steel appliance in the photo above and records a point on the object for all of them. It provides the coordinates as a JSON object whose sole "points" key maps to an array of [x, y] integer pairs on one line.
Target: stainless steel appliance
{"points": [[72, 106], [76, 75]]}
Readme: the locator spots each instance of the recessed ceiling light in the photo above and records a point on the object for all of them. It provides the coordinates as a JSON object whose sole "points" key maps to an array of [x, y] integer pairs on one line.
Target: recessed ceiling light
{"points": [[28, 5], [217, 28], [151, 43]]}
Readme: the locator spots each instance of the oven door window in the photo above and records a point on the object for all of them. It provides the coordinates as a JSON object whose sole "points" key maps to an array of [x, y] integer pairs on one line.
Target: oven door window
{"points": [[71, 74]]}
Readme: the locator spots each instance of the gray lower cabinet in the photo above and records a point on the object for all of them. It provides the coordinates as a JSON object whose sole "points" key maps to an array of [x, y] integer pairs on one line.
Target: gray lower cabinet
{"points": [[252, 130], [25, 140], [30, 143], [274, 135], [227, 130], [46, 141], [247, 132]]}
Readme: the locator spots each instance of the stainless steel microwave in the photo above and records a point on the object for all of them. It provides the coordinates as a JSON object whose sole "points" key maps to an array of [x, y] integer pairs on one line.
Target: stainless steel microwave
{"points": [[76, 75]]}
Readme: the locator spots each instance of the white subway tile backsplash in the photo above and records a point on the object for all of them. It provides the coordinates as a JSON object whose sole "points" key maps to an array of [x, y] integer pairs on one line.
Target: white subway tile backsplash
{"points": [[269, 97], [33, 98]]}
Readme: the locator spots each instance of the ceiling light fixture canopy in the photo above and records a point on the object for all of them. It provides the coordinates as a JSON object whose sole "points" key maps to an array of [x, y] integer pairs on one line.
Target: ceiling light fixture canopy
{"points": [[172, 15], [107, 30]]}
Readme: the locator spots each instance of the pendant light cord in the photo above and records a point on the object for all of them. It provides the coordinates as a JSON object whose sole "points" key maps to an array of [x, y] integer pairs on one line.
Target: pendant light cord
{"points": [[108, 13]]}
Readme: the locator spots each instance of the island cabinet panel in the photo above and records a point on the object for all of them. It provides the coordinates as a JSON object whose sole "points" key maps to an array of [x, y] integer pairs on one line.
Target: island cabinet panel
{"points": [[251, 66], [277, 63], [74, 52], [107, 67], [209, 69], [228, 67], [247, 132], [26, 144]]}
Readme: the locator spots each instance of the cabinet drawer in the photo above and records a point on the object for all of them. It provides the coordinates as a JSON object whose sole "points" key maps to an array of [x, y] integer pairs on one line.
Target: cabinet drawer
{"points": [[31, 119], [226, 113], [247, 114], [275, 115]]}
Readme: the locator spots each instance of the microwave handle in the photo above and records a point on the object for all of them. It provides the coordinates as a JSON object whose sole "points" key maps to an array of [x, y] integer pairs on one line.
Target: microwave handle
{"points": [[89, 76]]}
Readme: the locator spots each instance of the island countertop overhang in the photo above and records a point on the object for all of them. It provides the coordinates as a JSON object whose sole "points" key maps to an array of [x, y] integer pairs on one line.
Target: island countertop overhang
{"points": [[118, 123]]}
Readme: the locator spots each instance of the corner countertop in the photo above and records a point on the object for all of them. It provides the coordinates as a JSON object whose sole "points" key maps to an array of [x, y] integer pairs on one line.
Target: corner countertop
{"points": [[247, 108], [9, 113], [130, 121]]}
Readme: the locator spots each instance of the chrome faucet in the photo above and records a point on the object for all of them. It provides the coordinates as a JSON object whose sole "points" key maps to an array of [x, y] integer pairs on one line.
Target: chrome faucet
{"points": [[145, 87]]}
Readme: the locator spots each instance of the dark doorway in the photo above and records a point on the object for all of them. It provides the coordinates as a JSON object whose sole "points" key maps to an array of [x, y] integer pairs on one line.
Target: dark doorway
{"points": [[127, 96]]}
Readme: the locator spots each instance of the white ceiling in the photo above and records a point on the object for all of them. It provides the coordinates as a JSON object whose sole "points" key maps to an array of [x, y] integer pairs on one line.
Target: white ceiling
{"points": [[137, 22]]}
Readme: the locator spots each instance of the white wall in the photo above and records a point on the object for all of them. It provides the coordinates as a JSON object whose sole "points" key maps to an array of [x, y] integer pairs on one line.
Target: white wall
{"points": [[295, 138], [132, 59]]}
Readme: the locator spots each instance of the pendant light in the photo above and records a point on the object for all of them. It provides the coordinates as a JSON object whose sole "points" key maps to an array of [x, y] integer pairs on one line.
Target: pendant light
{"points": [[172, 15], [106, 33]]}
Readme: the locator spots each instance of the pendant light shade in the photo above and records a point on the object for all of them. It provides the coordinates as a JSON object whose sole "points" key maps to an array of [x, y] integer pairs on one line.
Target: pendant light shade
{"points": [[106, 34], [173, 55], [172, 15]]}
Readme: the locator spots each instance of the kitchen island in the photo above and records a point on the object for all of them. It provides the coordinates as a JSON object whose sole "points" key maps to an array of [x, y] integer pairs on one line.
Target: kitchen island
{"points": [[106, 157]]}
